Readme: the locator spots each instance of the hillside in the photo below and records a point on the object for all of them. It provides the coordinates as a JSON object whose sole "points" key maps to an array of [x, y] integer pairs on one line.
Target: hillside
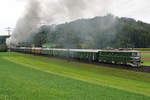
{"points": [[98, 32]]}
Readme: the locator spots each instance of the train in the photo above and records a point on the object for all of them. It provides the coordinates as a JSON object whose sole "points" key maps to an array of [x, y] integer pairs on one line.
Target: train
{"points": [[3, 48], [116, 56]]}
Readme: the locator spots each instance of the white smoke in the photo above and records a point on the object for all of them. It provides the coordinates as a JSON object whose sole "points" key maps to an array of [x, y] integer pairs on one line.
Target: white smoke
{"points": [[26, 25], [55, 12], [60, 11]]}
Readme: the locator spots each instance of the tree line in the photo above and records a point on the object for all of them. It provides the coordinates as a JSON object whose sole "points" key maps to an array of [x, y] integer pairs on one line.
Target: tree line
{"points": [[95, 33]]}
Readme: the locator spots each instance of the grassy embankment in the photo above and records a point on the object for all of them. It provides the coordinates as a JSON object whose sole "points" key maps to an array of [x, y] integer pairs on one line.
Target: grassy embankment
{"points": [[26, 77], [145, 55], [142, 49], [146, 58]]}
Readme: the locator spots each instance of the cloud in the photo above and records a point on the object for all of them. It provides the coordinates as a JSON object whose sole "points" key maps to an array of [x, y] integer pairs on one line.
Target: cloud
{"points": [[138, 9]]}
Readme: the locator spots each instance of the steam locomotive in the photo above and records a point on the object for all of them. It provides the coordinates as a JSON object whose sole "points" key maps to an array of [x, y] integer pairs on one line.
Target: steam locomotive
{"points": [[124, 57]]}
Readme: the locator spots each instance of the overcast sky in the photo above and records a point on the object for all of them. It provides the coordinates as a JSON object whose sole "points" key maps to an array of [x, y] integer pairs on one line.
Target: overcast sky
{"points": [[12, 10]]}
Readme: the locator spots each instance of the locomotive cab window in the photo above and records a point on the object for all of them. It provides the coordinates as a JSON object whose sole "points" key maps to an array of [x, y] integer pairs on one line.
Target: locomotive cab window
{"points": [[135, 54]]}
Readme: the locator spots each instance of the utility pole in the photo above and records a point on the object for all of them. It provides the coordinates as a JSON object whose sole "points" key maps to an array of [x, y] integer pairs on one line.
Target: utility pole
{"points": [[9, 29]]}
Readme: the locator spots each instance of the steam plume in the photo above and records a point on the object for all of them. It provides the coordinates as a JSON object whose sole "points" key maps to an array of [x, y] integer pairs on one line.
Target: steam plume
{"points": [[26, 25], [54, 12]]}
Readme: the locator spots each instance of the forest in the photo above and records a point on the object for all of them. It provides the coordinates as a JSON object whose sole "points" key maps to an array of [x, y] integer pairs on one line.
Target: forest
{"points": [[94, 33]]}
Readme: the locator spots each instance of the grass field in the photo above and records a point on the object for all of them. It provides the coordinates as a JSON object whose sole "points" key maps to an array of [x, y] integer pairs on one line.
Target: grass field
{"points": [[26, 77], [142, 49], [146, 58], [145, 55], [146, 63]]}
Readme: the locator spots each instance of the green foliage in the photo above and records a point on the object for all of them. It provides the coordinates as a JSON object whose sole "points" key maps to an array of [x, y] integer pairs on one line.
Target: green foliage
{"points": [[98, 32], [41, 37], [39, 78]]}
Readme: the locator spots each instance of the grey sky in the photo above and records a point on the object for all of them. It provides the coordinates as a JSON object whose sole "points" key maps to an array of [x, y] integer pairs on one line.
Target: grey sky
{"points": [[12, 10]]}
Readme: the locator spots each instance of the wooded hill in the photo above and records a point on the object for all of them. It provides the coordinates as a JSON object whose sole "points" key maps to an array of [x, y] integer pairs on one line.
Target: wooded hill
{"points": [[94, 33]]}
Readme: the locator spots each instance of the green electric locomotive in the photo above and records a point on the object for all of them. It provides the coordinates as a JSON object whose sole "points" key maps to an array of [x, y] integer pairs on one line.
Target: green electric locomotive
{"points": [[125, 57]]}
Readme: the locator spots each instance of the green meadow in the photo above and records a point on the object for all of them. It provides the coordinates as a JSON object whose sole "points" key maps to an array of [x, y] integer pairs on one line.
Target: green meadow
{"points": [[142, 49], [146, 58], [146, 63], [28, 77]]}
